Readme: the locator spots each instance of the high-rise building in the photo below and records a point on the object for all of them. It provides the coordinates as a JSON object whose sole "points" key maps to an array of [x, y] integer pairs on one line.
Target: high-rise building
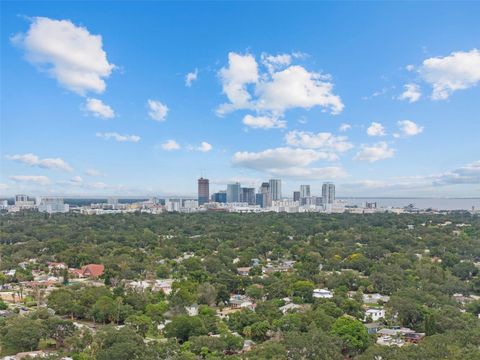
{"points": [[203, 191], [219, 197], [233, 193], [248, 196], [275, 189], [296, 196], [264, 199], [52, 205], [304, 191], [328, 193]]}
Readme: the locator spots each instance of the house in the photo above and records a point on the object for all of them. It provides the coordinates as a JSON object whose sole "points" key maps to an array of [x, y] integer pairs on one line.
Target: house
{"points": [[52, 266], [372, 328], [192, 310], [387, 340], [322, 294], [241, 301], [90, 271], [164, 285], [375, 298], [289, 307], [414, 338], [243, 271], [375, 314]]}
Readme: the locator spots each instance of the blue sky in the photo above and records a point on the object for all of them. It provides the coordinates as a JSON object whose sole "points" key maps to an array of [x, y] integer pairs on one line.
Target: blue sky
{"points": [[95, 98]]}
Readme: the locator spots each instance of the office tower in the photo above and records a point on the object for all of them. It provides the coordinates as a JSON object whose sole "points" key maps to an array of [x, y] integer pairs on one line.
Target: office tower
{"points": [[21, 199], [219, 197], [275, 189], [266, 199], [328, 193], [296, 196], [203, 191], [304, 191], [248, 196], [52, 205], [233, 193]]}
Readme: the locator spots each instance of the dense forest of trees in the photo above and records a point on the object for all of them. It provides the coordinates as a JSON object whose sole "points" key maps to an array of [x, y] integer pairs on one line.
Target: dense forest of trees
{"points": [[420, 261]]}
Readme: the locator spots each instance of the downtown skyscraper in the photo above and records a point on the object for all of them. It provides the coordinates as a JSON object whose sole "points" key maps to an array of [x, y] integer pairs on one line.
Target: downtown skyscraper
{"points": [[203, 191]]}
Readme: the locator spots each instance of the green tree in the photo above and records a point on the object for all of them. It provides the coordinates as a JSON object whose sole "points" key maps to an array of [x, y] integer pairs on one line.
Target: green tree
{"points": [[21, 334], [353, 334], [184, 326]]}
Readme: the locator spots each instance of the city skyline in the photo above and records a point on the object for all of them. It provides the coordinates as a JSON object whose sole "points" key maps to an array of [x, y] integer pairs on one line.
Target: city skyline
{"points": [[143, 109]]}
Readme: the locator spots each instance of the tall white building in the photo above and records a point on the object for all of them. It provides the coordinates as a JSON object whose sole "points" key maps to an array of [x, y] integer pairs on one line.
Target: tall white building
{"points": [[52, 205], [328, 193], [304, 191], [275, 189]]}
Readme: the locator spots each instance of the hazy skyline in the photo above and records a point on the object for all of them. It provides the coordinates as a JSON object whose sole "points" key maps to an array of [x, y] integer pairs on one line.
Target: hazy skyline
{"points": [[143, 98]]}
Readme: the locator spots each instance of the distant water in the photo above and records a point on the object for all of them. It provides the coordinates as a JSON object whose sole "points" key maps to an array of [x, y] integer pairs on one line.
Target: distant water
{"points": [[420, 203]]}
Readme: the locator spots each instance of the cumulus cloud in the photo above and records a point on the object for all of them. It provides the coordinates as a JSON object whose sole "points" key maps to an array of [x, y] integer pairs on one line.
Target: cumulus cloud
{"points": [[458, 71], [375, 152], [275, 62], [241, 71], [99, 109], [68, 53], [191, 77], [468, 174], [321, 140], [344, 127], [282, 87], [376, 129], [4, 186], [263, 122], [409, 128], [76, 180], [204, 147], [289, 162], [411, 93], [170, 145], [279, 158], [157, 110], [46, 163], [93, 172], [31, 179], [316, 173], [118, 137]]}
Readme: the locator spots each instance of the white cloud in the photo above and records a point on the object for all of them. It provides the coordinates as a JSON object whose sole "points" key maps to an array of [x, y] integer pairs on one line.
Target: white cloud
{"points": [[191, 77], [295, 87], [375, 152], [457, 71], [69, 53], [170, 145], [118, 137], [316, 173], [99, 109], [204, 147], [410, 67], [32, 179], [76, 180], [241, 70], [344, 127], [279, 158], [263, 122], [157, 110], [321, 140], [409, 128], [276, 90], [412, 93], [4, 186], [468, 174], [275, 62], [376, 129], [93, 172], [47, 163]]}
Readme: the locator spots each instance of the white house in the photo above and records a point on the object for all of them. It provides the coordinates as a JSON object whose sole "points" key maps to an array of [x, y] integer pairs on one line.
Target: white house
{"points": [[322, 294], [375, 314]]}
